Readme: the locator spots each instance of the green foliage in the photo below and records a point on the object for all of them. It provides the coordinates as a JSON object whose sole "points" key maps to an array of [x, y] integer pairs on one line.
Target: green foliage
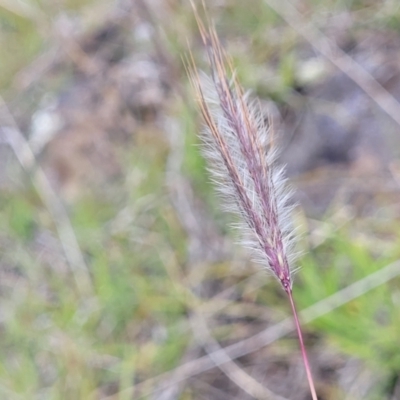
{"points": [[19, 43], [58, 342], [18, 215], [365, 327]]}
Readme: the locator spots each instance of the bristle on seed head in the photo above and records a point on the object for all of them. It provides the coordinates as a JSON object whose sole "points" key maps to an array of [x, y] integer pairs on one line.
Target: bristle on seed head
{"points": [[238, 144]]}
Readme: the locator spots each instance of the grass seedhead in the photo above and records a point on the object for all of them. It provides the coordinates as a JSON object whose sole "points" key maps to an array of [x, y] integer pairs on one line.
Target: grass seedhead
{"points": [[239, 145]]}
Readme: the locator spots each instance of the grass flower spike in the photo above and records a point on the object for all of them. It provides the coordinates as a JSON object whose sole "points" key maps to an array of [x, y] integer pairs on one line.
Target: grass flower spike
{"points": [[239, 146]]}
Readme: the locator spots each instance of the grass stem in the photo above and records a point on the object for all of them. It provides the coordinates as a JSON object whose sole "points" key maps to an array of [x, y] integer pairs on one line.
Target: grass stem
{"points": [[302, 347]]}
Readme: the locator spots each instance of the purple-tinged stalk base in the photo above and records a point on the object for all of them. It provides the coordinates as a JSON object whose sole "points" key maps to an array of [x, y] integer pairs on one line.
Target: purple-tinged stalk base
{"points": [[302, 347]]}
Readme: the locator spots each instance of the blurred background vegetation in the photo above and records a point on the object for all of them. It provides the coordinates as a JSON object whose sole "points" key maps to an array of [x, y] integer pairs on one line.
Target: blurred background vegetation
{"points": [[119, 274]]}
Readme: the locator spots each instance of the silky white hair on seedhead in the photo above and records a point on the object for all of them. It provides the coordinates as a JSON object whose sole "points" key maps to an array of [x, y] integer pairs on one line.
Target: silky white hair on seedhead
{"points": [[256, 177], [240, 147]]}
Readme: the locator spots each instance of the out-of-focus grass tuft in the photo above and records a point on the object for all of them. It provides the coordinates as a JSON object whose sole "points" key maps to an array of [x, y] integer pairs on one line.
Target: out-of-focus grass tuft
{"points": [[54, 339]]}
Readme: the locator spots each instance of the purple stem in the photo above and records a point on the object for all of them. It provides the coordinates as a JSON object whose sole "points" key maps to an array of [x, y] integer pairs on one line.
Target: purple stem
{"points": [[302, 347]]}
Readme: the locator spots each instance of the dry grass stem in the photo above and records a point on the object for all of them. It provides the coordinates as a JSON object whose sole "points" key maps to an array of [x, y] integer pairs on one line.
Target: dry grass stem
{"points": [[279, 330], [225, 363], [15, 139], [385, 100]]}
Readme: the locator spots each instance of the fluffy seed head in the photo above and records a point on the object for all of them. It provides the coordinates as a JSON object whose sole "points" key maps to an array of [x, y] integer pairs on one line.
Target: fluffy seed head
{"points": [[238, 144]]}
